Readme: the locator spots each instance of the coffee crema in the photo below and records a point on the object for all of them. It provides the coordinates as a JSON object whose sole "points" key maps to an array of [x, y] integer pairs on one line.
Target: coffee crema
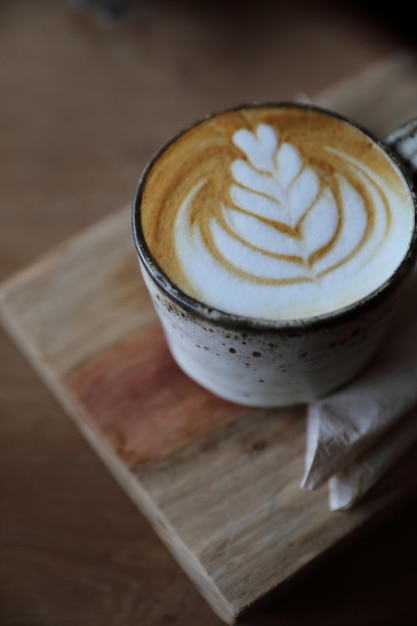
{"points": [[276, 212]]}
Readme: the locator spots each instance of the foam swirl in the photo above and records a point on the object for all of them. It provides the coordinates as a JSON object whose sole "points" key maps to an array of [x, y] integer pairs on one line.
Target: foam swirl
{"points": [[290, 229]]}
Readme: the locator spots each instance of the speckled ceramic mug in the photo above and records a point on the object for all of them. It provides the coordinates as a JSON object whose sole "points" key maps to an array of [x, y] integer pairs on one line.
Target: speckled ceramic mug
{"points": [[275, 241]]}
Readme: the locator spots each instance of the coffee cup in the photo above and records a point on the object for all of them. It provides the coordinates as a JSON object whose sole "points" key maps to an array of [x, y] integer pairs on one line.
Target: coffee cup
{"points": [[275, 241]]}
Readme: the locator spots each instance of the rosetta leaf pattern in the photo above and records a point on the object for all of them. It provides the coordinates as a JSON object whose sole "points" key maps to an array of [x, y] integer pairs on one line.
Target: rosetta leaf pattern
{"points": [[276, 188], [292, 230]]}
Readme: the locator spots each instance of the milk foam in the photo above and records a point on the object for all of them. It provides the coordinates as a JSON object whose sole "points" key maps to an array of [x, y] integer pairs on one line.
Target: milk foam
{"points": [[295, 233]]}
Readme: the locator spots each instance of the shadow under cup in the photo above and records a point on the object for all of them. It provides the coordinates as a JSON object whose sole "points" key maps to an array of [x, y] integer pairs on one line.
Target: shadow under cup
{"points": [[271, 363]]}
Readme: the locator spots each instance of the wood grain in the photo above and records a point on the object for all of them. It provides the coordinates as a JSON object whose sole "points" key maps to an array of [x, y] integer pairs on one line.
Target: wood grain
{"points": [[219, 483], [141, 401]]}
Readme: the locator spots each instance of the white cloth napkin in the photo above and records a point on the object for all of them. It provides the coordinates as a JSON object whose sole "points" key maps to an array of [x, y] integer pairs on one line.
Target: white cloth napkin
{"points": [[356, 434]]}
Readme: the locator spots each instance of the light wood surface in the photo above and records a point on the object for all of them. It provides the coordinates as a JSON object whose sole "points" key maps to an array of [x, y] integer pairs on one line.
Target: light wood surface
{"points": [[85, 108]]}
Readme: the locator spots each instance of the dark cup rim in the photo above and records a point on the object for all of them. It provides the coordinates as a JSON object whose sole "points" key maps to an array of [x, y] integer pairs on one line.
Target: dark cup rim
{"points": [[242, 322]]}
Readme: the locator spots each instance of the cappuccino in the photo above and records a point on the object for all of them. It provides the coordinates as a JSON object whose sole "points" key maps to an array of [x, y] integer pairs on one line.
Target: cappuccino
{"points": [[276, 212], [275, 241]]}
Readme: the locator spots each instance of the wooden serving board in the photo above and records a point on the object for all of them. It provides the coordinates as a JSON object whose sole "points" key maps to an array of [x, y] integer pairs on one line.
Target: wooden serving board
{"points": [[219, 482]]}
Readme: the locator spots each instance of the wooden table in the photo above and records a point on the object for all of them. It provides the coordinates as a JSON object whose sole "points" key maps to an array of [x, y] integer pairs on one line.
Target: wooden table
{"points": [[83, 108]]}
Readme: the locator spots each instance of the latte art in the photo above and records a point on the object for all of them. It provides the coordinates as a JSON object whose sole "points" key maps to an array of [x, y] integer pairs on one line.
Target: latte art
{"points": [[284, 224], [276, 213]]}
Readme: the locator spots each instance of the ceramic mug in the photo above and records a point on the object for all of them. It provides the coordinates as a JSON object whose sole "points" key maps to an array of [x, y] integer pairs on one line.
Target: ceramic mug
{"points": [[264, 362]]}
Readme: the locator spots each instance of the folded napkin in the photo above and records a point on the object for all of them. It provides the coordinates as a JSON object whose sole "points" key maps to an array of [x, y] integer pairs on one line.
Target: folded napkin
{"points": [[356, 434]]}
